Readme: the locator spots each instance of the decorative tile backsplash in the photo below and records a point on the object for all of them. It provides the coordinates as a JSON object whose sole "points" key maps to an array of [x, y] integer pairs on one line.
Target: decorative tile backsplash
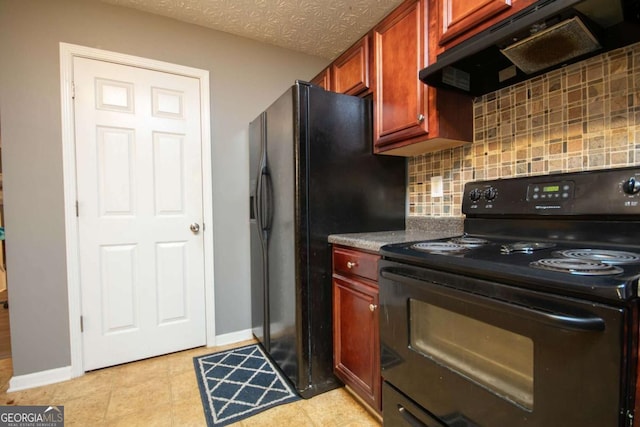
{"points": [[581, 117]]}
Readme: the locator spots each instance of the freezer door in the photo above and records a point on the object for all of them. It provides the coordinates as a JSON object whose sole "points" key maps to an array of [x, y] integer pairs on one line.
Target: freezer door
{"points": [[284, 168], [257, 217]]}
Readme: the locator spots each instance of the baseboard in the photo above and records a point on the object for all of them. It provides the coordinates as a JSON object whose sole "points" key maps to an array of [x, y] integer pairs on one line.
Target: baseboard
{"points": [[52, 376], [233, 337], [37, 379]]}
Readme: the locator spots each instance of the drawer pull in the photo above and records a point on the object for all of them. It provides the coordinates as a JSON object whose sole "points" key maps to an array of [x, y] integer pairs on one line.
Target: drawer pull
{"points": [[351, 264], [372, 307]]}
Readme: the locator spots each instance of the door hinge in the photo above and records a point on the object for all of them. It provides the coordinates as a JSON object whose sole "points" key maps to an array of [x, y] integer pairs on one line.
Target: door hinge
{"points": [[77, 209], [203, 226], [73, 90], [81, 323]]}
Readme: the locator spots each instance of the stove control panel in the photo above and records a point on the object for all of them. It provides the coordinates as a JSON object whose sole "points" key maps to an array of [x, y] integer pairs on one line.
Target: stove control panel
{"points": [[555, 191], [599, 192]]}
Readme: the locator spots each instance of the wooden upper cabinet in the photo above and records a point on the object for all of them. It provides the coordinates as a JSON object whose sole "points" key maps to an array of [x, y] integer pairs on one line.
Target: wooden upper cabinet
{"points": [[461, 19], [350, 72], [400, 99], [411, 118], [323, 79]]}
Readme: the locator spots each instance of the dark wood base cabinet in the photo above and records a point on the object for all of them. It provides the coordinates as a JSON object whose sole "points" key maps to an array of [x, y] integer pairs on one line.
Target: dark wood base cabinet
{"points": [[356, 339]]}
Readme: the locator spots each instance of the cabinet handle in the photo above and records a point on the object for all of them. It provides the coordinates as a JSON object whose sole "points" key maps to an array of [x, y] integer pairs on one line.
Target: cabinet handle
{"points": [[372, 307], [351, 264], [420, 118]]}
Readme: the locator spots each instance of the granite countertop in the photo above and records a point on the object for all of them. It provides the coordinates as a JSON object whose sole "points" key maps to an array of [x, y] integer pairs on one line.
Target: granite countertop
{"points": [[418, 228]]}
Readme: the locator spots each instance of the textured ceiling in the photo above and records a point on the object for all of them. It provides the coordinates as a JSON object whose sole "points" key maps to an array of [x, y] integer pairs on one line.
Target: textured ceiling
{"points": [[317, 27]]}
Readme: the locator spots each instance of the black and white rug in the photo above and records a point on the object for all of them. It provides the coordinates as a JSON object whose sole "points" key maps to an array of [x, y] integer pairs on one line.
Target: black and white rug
{"points": [[237, 383]]}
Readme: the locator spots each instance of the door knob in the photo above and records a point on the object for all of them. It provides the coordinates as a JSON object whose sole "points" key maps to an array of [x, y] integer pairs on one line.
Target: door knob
{"points": [[195, 227], [372, 307]]}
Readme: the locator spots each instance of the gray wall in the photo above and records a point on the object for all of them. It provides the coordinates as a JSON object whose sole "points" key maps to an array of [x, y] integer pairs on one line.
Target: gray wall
{"points": [[245, 77]]}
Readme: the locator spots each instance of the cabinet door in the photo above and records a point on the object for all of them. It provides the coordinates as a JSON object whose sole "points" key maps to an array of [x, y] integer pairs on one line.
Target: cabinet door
{"points": [[323, 79], [350, 72], [461, 19], [399, 96], [459, 16], [356, 340]]}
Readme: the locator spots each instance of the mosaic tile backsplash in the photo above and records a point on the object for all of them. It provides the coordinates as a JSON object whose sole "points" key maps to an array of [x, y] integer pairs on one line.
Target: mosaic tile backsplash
{"points": [[584, 116]]}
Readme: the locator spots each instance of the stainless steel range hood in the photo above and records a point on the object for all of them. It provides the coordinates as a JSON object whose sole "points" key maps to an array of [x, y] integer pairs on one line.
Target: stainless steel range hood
{"points": [[544, 36]]}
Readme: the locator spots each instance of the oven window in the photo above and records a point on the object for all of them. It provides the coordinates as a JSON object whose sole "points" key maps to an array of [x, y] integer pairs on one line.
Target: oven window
{"points": [[498, 360]]}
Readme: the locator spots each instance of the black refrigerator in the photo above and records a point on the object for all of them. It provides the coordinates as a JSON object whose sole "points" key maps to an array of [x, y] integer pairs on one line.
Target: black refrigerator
{"points": [[312, 173]]}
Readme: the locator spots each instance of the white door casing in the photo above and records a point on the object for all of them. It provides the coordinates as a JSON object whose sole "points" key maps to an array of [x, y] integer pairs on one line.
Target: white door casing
{"points": [[143, 277]]}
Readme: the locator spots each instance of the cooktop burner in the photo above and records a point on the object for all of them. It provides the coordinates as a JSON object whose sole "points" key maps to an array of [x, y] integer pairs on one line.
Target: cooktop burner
{"points": [[453, 246], [601, 255], [582, 267], [525, 247], [444, 248], [469, 242]]}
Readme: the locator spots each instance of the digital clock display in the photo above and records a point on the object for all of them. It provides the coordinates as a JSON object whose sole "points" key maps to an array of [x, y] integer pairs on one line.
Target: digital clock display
{"points": [[550, 188]]}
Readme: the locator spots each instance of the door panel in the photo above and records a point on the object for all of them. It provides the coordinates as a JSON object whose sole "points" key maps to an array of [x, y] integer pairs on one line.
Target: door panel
{"points": [[119, 296], [169, 176], [459, 16], [172, 287], [139, 187], [115, 169]]}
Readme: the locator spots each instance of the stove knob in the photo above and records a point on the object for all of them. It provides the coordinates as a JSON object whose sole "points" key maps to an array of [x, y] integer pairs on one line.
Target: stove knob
{"points": [[490, 193], [631, 186], [475, 195]]}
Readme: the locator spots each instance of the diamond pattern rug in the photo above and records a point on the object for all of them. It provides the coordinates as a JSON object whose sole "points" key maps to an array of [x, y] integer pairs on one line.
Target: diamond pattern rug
{"points": [[237, 383]]}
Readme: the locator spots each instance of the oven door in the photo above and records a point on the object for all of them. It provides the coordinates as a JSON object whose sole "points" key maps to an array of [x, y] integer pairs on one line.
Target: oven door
{"points": [[477, 353]]}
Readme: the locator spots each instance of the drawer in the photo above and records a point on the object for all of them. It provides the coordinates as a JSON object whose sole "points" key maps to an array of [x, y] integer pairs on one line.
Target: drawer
{"points": [[347, 261], [399, 410]]}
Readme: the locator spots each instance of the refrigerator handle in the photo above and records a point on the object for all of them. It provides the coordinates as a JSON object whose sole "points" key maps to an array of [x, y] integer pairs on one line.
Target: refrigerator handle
{"points": [[257, 201], [269, 202]]}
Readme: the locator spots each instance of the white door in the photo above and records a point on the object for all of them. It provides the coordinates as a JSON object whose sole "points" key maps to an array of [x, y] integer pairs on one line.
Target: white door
{"points": [[139, 187]]}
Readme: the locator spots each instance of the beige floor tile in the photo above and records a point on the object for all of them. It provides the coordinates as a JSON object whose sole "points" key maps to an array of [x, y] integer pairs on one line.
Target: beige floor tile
{"points": [[130, 399], [288, 415], [154, 416], [188, 414], [91, 382], [88, 410], [184, 387], [336, 408], [137, 372], [182, 363]]}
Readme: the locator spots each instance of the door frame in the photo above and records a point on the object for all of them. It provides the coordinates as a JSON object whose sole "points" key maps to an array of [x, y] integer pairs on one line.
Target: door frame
{"points": [[67, 54]]}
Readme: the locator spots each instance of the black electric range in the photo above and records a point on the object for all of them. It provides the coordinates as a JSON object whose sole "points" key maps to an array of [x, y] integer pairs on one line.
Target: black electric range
{"points": [[529, 319]]}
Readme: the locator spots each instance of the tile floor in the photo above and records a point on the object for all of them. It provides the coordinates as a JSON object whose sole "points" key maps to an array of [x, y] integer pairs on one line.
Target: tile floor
{"points": [[163, 391]]}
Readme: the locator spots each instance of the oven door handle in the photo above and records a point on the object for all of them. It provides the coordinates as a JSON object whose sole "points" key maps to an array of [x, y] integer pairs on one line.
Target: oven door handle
{"points": [[581, 322]]}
